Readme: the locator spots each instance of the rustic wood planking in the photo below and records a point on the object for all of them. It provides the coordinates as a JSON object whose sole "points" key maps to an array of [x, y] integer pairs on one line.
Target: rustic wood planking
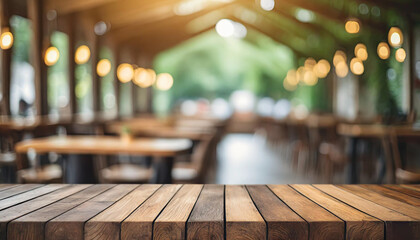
{"points": [[171, 222], [358, 224], [106, 225], [19, 210], [413, 187], [31, 226], [5, 186], [398, 226], [390, 203], [70, 225], [139, 225], [282, 222], [17, 190], [404, 190], [243, 221], [207, 218], [322, 224], [393, 194]]}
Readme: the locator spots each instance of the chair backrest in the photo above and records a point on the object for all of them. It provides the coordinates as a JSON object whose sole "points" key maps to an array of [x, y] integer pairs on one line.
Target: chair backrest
{"points": [[202, 157]]}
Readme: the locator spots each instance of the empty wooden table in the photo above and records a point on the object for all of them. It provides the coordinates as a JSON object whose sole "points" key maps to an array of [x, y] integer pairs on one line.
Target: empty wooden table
{"points": [[164, 149], [60, 211]]}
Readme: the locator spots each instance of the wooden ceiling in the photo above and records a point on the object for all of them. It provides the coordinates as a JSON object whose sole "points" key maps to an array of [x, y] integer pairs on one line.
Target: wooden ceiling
{"points": [[153, 26]]}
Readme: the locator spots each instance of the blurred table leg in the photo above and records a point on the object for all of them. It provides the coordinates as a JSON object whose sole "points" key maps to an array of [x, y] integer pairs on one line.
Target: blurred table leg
{"points": [[162, 167], [78, 168], [353, 176]]}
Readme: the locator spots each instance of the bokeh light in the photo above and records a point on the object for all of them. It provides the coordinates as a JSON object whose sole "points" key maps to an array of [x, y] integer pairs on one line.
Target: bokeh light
{"points": [[309, 77], [339, 56], [395, 37], [6, 40], [400, 55], [322, 68], [356, 66], [341, 69], [144, 77], [267, 5], [82, 54], [291, 77], [360, 51], [125, 72], [103, 67], [164, 81], [383, 50], [352, 26], [51, 56]]}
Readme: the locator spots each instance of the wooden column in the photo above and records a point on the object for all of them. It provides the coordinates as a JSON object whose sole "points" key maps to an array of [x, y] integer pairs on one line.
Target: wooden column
{"points": [[37, 16], [117, 58], [71, 63], [411, 62], [6, 58], [96, 84]]}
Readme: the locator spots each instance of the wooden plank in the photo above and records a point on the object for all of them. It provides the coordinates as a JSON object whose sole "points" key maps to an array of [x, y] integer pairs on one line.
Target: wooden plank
{"points": [[106, 225], [17, 190], [397, 225], [207, 218], [322, 224], [172, 221], [6, 186], [358, 224], [32, 225], [282, 222], [393, 194], [11, 201], [139, 225], [411, 186], [243, 221], [404, 190], [390, 203], [14, 212], [70, 225]]}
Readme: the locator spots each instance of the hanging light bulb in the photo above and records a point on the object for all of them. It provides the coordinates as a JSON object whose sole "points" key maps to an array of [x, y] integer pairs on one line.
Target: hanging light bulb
{"points": [[125, 72], [164, 81], [395, 37], [352, 26], [400, 55], [383, 50], [341, 69], [51, 56], [103, 67], [82, 54], [356, 66], [360, 51], [6, 40], [339, 56], [289, 87], [309, 77], [322, 68], [291, 77], [144, 77], [310, 63]]}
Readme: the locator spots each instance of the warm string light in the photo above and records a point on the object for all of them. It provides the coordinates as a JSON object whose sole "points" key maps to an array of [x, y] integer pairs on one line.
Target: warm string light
{"points": [[51, 56], [356, 66], [395, 37], [400, 55], [383, 50], [352, 26], [164, 81], [322, 68], [360, 51], [103, 67], [125, 72], [144, 77], [82, 54], [6, 40]]}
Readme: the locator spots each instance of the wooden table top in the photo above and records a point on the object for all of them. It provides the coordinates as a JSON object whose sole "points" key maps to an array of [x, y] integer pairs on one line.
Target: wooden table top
{"points": [[105, 145], [60, 211], [376, 130]]}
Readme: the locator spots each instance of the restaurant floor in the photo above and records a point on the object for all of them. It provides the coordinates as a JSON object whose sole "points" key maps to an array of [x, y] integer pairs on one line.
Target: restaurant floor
{"points": [[248, 159]]}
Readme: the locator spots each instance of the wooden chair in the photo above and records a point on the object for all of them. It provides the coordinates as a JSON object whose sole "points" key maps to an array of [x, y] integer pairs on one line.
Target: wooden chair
{"points": [[195, 171], [402, 175], [51, 173]]}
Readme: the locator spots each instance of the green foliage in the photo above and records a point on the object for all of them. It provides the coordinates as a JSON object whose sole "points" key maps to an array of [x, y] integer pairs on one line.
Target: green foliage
{"points": [[22, 32]]}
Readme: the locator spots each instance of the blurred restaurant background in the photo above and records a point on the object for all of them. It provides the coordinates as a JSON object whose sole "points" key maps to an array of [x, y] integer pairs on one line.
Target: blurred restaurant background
{"points": [[210, 91]]}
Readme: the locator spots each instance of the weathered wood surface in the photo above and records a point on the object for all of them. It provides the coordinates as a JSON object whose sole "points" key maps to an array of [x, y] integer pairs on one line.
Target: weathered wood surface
{"points": [[59, 211]]}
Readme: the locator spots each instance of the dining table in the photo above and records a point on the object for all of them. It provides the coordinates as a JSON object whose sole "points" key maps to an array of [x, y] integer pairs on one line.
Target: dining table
{"points": [[175, 211], [78, 152]]}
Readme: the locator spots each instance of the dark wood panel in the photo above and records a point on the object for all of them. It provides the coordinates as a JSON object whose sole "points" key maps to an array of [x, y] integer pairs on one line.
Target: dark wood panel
{"points": [[393, 194], [397, 225], [282, 222], [207, 217], [390, 203], [106, 225], [139, 225], [404, 190], [322, 224], [19, 210], [31, 226], [171, 222], [17, 190], [243, 221], [358, 224], [70, 225]]}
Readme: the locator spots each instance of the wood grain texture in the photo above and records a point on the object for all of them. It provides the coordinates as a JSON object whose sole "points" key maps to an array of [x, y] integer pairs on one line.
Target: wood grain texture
{"points": [[207, 217], [358, 224], [397, 225], [390, 203], [412, 187], [70, 225], [5, 186], [404, 190], [393, 194], [31, 226], [172, 221], [17, 190], [282, 222], [243, 221], [106, 225], [19, 210], [139, 225], [322, 224], [11, 201]]}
